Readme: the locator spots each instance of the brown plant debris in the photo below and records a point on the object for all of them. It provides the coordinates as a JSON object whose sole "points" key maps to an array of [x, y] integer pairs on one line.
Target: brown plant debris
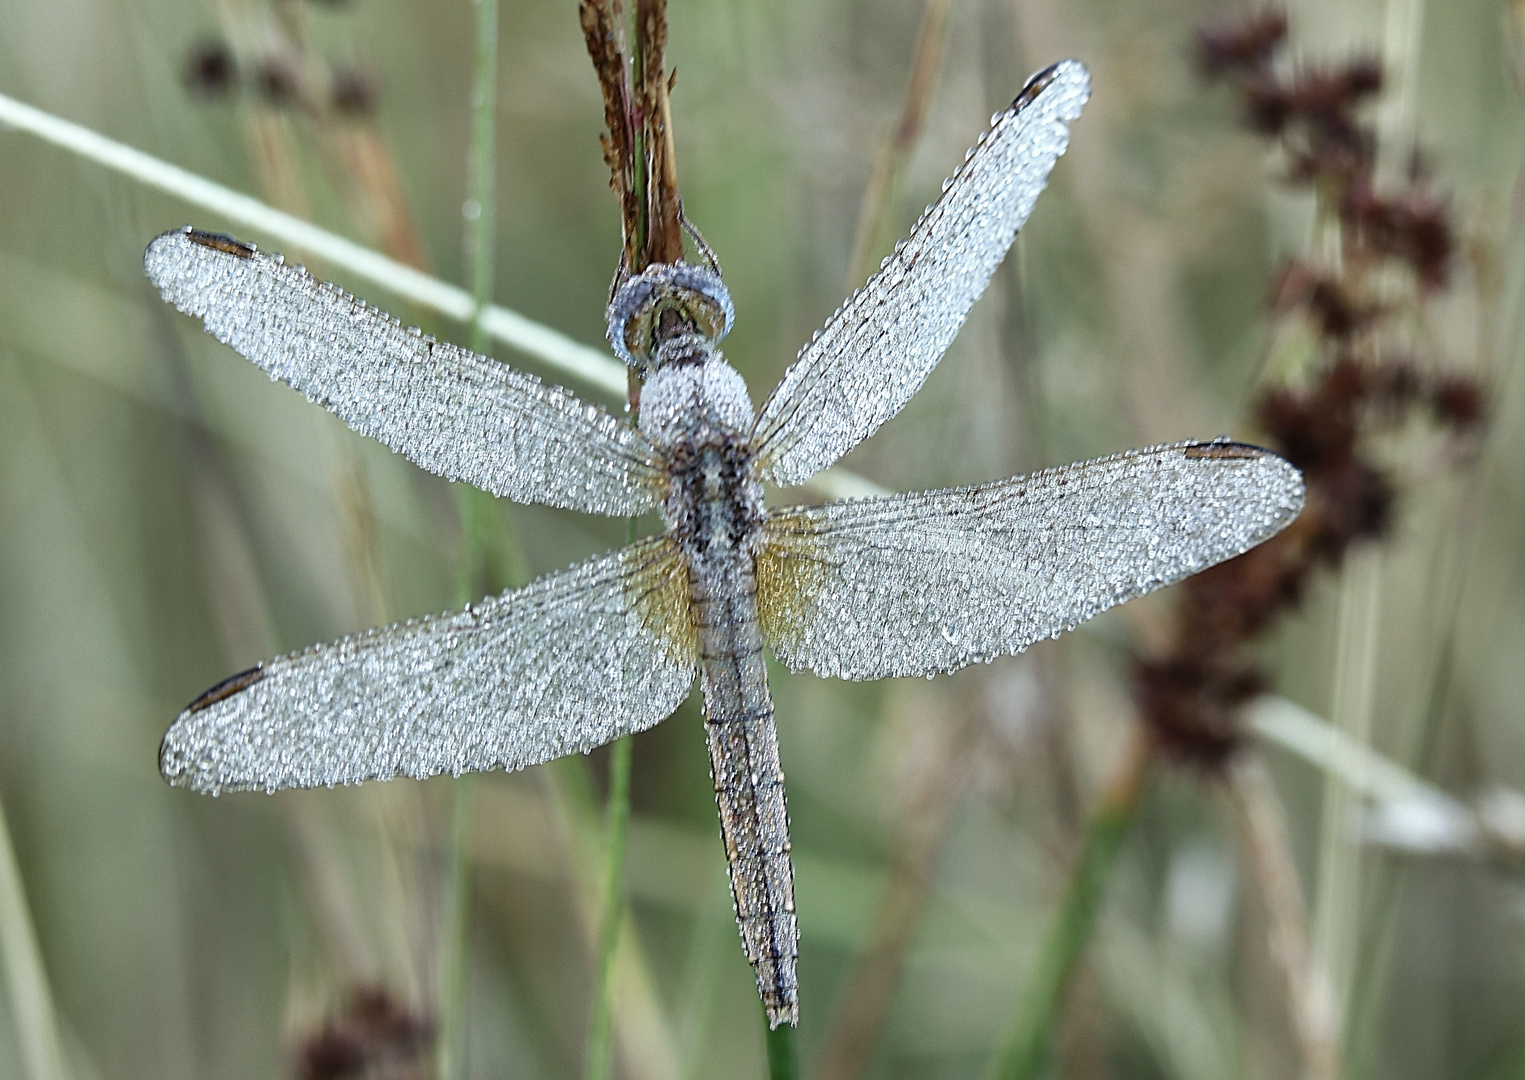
{"points": [[210, 70], [374, 1037], [638, 146]]}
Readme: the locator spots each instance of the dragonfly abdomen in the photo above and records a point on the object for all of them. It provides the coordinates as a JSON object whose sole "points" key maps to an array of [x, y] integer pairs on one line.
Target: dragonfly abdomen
{"points": [[749, 782], [698, 414]]}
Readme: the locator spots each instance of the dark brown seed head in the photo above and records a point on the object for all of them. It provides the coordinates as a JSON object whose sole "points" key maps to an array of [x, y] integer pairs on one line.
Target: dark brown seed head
{"points": [[1243, 43], [210, 70], [353, 93]]}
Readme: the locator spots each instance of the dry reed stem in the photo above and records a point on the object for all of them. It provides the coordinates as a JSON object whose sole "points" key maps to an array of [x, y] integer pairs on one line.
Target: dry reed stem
{"points": [[604, 38], [638, 145], [1261, 820], [889, 164], [663, 236], [1337, 899], [869, 987]]}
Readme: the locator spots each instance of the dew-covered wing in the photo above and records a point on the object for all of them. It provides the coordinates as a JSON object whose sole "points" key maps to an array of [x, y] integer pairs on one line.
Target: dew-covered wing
{"points": [[930, 581], [562, 665], [463, 416], [879, 347]]}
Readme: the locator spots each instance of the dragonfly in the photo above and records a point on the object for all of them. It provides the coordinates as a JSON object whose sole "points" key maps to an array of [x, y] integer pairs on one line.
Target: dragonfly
{"points": [[901, 585]]}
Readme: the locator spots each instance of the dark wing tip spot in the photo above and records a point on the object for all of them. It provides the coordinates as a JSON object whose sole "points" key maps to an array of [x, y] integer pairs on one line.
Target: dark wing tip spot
{"points": [[1225, 450], [234, 684], [220, 242], [1037, 84]]}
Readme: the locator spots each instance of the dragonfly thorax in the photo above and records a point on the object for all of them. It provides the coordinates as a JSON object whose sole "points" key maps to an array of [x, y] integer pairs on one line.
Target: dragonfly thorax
{"points": [[691, 404], [700, 417]]}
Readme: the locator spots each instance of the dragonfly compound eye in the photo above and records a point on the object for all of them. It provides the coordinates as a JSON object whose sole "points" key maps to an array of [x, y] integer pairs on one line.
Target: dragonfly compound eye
{"points": [[664, 301]]}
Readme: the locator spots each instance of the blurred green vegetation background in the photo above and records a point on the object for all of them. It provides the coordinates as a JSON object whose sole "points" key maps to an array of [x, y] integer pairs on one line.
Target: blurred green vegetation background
{"points": [[169, 516]]}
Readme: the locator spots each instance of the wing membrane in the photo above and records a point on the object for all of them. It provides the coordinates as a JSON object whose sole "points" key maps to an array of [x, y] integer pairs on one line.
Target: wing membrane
{"points": [[930, 581], [463, 416], [879, 347], [564, 664]]}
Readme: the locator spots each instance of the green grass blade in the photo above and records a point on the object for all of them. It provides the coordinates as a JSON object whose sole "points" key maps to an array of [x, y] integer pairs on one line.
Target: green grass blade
{"points": [[783, 1051], [1026, 1048], [26, 979], [600, 1044]]}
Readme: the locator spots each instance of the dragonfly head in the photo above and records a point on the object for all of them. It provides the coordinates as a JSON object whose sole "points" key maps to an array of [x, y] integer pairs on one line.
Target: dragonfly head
{"points": [[669, 313]]}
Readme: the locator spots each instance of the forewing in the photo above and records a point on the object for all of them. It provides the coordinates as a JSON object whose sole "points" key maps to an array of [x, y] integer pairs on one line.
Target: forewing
{"points": [[879, 347], [463, 416], [562, 665], [930, 581]]}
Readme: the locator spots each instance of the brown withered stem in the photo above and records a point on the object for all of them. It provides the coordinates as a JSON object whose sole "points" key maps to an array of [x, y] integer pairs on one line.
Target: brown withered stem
{"points": [[638, 146], [602, 31], [879, 197]]}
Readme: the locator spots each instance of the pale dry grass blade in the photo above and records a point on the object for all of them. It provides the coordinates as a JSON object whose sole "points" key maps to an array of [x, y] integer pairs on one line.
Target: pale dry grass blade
{"points": [[1263, 833], [551, 347], [1336, 906]]}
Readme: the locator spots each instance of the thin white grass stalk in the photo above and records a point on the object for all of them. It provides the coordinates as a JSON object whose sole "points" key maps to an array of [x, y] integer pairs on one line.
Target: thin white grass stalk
{"points": [[1359, 767], [581, 363], [550, 347], [1402, 41], [34, 1018], [1336, 907], [843, 484]]}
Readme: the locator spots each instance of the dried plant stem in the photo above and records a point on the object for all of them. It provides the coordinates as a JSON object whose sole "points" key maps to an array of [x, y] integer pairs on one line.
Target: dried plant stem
{"points": [[660, 238], [1336, 909], [26, 979], [1263, 828], [1025, 1050], [879, 198], [870, 986], [600, 1046]]}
